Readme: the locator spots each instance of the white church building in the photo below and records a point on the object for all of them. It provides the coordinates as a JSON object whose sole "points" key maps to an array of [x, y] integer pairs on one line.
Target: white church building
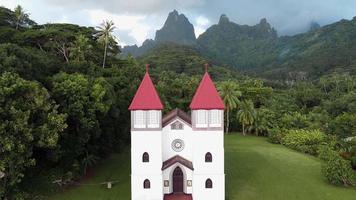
{"points": [[177, 156]]}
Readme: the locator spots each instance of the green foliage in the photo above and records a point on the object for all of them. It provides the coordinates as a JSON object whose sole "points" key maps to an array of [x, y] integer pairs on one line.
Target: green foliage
{"points": [[246, 114], [28, 120], [276, 135], [338, 170], [20, 16], [27, 62], [230, 95], [85, 100], [176, 91], [344, 125], [304, 140], [325, 152], [80, 49]]}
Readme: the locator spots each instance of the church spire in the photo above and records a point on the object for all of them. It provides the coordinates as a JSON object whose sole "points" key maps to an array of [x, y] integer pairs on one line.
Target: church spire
{"points": [[206, 96]]}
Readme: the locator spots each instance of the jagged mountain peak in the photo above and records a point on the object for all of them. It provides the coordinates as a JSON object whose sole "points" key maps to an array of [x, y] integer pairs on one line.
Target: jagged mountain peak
{"points": [[177, 28], [224, 19]]}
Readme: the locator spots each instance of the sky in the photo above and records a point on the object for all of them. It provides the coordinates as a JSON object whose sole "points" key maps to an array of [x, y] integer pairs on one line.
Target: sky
{"points": [[137, 20]]}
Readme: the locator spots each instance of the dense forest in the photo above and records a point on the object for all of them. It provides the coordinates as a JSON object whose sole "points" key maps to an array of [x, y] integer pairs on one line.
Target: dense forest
{"points": [[65, 90]]}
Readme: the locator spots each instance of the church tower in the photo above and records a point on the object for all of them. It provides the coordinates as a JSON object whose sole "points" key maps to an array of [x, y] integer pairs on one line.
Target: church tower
{"points": [[146, 142], [207, 114]]}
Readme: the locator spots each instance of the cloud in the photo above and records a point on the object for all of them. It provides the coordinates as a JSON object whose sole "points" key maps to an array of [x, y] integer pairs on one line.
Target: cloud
{"points": [[135, 25], [129, 6], [201, 24], [139, 19]]}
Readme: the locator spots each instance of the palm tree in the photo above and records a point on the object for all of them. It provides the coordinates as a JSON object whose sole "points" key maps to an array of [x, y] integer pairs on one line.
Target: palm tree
{"points": [[20, 16], [246, 114], [88, 161], [230, 95], [80, 48], [106, 36], [259, 123]]}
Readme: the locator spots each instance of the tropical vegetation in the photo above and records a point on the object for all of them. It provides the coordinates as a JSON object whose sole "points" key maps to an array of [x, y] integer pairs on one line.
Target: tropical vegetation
{"points": [[65, 90]]}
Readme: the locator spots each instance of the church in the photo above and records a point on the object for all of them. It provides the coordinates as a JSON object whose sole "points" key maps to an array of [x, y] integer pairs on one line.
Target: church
{"points": [[177, 156]]}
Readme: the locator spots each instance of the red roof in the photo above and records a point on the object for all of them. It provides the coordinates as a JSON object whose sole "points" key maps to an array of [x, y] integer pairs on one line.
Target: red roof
{"points": [[146, 97], [206, 96]]}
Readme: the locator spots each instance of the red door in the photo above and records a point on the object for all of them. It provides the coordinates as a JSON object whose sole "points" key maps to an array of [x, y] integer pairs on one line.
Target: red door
{"points": [[178, 180]]}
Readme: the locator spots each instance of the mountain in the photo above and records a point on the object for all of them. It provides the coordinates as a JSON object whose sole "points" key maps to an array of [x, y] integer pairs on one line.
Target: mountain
{"points": [[258, 50], [314, 26], [177, 29], [238, 45]]}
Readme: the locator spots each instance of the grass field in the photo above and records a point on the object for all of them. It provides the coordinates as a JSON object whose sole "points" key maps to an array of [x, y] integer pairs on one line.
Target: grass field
{"points": [[255, 170]]}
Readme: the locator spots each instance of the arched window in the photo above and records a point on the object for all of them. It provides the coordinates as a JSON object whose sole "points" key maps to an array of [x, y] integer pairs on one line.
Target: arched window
{"points": [[208, 183], [147, 184], [145, 157], [208, 157]]}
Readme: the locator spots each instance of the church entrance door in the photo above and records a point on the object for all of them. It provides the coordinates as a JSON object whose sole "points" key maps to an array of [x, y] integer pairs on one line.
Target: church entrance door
{"points": [[178, 180]]}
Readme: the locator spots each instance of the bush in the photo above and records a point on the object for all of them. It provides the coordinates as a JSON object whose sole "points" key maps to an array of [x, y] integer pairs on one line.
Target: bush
{"points": [[325, 152], [276, 135], [338, 171], [304, 140]]}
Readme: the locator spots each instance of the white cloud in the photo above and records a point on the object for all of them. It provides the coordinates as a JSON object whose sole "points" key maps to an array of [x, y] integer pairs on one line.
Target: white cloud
{"points": [[202, 21], [136, 25], [11, 4], [201, 24]]}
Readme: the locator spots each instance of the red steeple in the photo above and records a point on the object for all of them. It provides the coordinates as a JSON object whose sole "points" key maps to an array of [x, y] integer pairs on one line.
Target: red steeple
{"points": [[146, 97], [206, 96]]}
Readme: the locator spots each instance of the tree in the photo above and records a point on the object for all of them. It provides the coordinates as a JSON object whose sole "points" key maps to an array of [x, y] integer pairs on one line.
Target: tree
{"points": [[28, 120], [20, 15], [80, 48], [106, 36], [260, 122], [88, 161], [230, 95], [85, 100], [246, 114]]}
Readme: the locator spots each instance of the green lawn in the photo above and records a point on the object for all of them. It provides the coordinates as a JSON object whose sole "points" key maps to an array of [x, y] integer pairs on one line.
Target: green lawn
{"points": [[255, 169]]}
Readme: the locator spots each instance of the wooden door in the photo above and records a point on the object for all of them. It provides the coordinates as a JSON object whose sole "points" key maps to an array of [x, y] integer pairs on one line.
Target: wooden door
{"points": [[178, 180]]}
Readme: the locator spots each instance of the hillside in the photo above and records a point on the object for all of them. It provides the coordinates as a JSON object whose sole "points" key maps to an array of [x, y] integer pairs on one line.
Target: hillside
{"points": [[182, 59], [258, 50], [255, 169]]}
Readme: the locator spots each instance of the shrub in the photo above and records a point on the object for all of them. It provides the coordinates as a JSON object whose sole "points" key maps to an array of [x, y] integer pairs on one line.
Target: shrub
{"points": [[276, 135], [325, 152], [338, 171], [304, 140]]}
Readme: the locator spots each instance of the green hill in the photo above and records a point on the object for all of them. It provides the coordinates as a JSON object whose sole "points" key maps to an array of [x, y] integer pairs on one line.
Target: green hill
{"points": [[257, 49]]}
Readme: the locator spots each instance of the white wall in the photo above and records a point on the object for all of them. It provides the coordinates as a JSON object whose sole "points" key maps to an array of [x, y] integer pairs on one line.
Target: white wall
{"points": [[215, 193], [158, 145], [150, 142], [170, 135], [213, 142]]}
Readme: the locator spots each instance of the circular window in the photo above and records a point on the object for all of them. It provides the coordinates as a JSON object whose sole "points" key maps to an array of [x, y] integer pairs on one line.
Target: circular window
{"points": [[178, 145]]}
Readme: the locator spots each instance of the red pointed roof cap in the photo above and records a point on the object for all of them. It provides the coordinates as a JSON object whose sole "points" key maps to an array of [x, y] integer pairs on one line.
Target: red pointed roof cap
{"points": [[146, 97], [207, 97]]}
